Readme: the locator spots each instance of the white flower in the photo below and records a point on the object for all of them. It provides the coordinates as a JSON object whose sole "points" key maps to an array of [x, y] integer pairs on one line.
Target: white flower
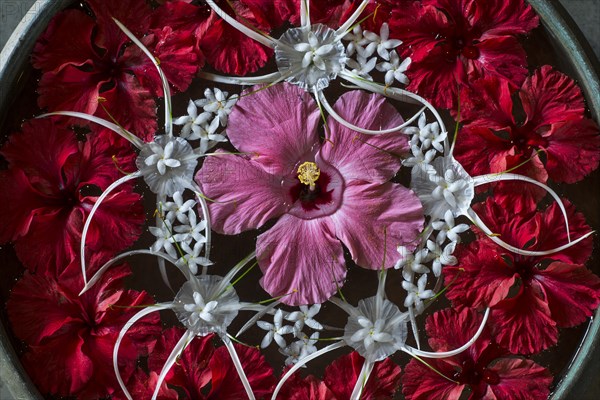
{"points": [[192, 257], [355, 40], [412, 263], [381, 42], [191, 231], [167, 164], [428, 134], [416, 294], [362, 67], [274, 330], [200, 310], [375, 329], [177, 209], [293, 352], [219, 103], [448, 229], [164, 238], [305, 316], [394, 69], [441, 256], [192, 123], [418, 159], [308, 343]]}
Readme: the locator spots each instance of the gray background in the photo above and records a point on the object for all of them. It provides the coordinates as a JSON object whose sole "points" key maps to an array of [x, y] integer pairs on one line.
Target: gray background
{"points": [[585, 12]]}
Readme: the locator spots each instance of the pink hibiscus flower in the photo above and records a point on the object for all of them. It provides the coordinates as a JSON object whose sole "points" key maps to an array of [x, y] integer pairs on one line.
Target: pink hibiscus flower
{"points": [[484, 368], [452, 43], [553, 291], [71, 337], [340, 378], [52, 183], [203, 372], [555, 125], [324, 194], [84, 59]]}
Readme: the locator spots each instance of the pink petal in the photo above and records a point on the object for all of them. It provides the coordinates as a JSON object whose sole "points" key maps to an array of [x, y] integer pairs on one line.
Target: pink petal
{"points": [[276, 126], [549, 96], [574, 143], [523, 324], [572, 292], [302, 256], [520, 379], [245, 196], [375, 219], [359, 156]]}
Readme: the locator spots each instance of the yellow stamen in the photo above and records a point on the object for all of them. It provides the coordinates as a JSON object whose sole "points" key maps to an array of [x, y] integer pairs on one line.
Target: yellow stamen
{"points": [[309, 173]]}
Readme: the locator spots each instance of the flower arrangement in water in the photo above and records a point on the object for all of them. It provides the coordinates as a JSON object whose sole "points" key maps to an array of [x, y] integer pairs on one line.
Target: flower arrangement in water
{"points": [[320, 188]]}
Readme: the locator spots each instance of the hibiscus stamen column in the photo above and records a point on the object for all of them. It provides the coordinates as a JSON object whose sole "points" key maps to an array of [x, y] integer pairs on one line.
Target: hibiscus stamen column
{"points": [[309, 173]]}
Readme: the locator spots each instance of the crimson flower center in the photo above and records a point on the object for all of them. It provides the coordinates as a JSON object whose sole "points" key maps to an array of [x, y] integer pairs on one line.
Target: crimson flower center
{"points": [[455, 46], [472, 374]]}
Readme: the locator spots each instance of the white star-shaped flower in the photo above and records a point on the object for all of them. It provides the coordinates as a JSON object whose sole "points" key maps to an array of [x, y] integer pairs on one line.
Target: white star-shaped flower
{"points": [[200, 309], [382, 42], [412, 263], [164, 238], [192, 123], [178, 209], [394, 69], [192, 257], [448, 229], [305, 316], [192, 230], [219, 103], [441, 256], [417, 293], [275, 330]]}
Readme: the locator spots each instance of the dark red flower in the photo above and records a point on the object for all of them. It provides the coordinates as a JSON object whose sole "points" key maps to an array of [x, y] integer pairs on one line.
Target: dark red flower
{"points": [[329, 12], [95, 64], [453, 43], [340, 378], [484, 368], [52, 183], [551, 291], [554, 125], [71, 337]]}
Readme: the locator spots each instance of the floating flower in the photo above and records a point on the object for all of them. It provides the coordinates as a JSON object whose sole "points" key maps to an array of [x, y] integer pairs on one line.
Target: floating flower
{"points": [[54, 177], [347, 185], [530, 296], [484, 368], [71, 337], [555, 132], [450, 42]]}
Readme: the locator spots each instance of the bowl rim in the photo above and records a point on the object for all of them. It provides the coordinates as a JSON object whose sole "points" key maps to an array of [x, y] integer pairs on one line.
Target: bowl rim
{"points": [[553, 16]]}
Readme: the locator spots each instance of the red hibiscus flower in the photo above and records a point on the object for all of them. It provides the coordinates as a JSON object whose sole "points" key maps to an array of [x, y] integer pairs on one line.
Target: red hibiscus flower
{"points": [[71, 337], [552, 291], [329, 12], [554, 125], [340, 378], [484, 368], [203, 372], [51, 185], [452, 43], [83, 59]]}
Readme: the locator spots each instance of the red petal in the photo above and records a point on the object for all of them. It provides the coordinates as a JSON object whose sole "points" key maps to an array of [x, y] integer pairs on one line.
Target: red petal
{"points": [[226, 383], [499, 17], [471, 139], [487, 103], [572, 292], [502, 57], [142, 386], [342, 374], [421, 383], [133, 14], [549, 96], [574, 143], [520, 379], [523, 324]]}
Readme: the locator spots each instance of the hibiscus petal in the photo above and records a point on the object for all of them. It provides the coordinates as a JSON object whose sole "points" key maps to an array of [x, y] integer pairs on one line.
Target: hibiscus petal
{"points": [[520, 379], [502, 57], [487, 103], [245, 196], [226, 383], [302, 256], [419, 382], [523, 324], [498, 17], [341, 376], [572, 292], [395, 218], [359, 156], [284, 135], [574, 143]]}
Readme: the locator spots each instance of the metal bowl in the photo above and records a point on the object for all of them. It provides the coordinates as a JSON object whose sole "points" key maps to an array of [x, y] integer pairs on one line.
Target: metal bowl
{"points": [[566, 37]]}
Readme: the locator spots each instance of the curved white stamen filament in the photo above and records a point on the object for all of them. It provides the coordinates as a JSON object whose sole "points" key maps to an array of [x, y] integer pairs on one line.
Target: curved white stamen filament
{"points": [[181, 345], [242, 80], [263, 310], [163, 78], [124, 133], [206, 215], [361, 382], [343, 29], [529, 253], [161, 261], [413, 325], [305, 13], [110, 263], [396, 94], [349, 125], [491, 178], [88, 220], [238, 367], [250, 32], [443, 354], [302, 362], [139, 315]]}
